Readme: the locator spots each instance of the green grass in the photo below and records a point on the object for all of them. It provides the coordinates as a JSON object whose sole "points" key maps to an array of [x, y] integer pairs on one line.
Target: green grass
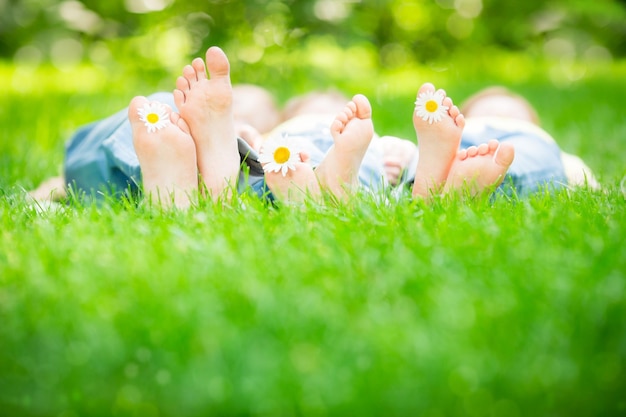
{"points": [[372, 307]]}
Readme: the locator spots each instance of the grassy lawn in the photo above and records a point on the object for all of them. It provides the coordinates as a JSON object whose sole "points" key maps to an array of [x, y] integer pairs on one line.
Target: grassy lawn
{"points": [[508, 308]]}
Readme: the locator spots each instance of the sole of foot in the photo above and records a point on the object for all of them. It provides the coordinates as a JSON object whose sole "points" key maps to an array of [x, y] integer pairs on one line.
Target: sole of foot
{"points": [[205, 103], [438, 143], [167, 156], [479, 169], [352, 132]]}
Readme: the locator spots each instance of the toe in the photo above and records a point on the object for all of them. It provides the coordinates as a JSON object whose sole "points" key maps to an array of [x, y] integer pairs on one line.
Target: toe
{"points": [[179, 98], [343, 117], [460, 121], [305, 157], [350, 109], [190, 74], [362, 106], [135, 104], [180, 122], [425, 88], [483, 149], [505, 154], [199, 68], [336, 128], [217, 62], [182, 84]]}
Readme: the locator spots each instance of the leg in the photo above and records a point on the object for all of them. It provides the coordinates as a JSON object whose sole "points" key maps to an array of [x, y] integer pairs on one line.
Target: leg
{"points": [[438, 144], [352, 131], [479, 169], [167, 157], [206, 106]]}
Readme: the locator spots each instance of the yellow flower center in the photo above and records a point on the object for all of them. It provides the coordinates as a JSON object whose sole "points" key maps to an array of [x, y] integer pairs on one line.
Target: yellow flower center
{"points": [[152, 118], [281, 155], [431, 106]]}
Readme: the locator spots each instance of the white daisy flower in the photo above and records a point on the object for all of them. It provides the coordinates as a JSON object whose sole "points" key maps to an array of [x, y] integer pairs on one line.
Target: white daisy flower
{"points": [[279, 155], [429, 106], [154, 115]]}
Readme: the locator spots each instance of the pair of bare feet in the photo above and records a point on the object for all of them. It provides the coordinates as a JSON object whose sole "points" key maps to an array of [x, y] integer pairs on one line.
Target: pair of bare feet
{"points": [[352, 131], [442, 167], [198, 142]]}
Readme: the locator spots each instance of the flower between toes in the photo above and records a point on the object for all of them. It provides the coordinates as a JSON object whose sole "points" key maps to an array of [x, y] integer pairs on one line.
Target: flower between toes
{"points": [[279, 155]]}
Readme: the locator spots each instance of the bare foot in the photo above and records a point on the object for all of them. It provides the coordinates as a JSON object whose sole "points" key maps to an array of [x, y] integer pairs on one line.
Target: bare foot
{"points": [[397, 155], [52, 189], [206, 105], [481, 168], [438, 143], [167, 155], [295, 185], [352, 131]]}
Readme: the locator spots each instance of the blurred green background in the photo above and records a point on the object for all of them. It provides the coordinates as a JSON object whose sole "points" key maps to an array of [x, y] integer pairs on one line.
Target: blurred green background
{"points": [[399, 30], [157, 37]]}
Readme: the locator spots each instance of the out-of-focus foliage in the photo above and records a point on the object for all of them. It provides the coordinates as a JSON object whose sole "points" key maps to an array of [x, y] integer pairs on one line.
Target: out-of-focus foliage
{"points": [[166, 32]]}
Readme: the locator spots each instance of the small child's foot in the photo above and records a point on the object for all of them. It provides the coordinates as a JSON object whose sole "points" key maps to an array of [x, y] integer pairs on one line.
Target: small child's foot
{"points": [[352, 131], [297, 184], [206, 106], [479, 169], [53, 189], [167, 155], [438, 143], [397, 155]]}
